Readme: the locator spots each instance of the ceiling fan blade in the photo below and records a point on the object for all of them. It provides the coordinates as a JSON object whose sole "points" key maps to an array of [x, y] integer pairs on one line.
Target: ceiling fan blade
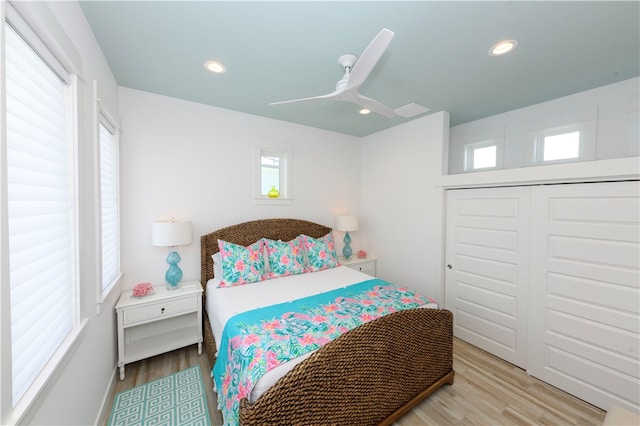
{"points": [[369, 58], [375, 106], [331, 95]]}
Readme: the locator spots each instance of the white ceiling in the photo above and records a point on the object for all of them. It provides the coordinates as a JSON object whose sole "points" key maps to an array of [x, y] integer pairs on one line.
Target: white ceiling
{"points": [[438, 58]]}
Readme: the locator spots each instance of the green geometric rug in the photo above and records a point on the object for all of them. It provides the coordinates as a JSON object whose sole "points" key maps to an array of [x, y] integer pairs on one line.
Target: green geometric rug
{"points": [[178, 399]]}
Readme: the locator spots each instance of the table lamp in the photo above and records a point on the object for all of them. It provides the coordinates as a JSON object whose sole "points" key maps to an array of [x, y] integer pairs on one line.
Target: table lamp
{"points": [[172, 234], [347, 223]]}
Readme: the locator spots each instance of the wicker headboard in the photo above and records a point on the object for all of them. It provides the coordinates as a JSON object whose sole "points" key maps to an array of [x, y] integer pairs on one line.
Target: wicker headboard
{"points": [[248, 233]]}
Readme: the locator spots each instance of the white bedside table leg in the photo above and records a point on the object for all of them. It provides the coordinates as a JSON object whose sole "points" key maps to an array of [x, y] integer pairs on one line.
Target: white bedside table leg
{"points": [[121, 372], [199, 348]]}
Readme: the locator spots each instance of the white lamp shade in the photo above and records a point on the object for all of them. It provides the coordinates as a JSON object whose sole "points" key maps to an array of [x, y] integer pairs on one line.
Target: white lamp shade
{"points": [[167, 234], [347, 223]]}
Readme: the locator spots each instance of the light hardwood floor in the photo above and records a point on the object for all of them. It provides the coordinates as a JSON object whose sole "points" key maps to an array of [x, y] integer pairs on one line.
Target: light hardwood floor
{"points": [[486, 391]]}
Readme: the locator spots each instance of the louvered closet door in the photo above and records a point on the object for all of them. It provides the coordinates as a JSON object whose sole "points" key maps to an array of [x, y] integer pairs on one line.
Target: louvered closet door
{"points": [[584, 307], [487, 276]]}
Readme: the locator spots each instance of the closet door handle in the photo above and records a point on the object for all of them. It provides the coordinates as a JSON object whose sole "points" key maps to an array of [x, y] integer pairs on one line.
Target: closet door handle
{"points": [[449, 267]]}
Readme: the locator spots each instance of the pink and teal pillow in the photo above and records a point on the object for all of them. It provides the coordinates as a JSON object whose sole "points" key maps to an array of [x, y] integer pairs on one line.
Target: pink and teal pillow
{"points": [[285, 258], [321, 252], [241, 265]]}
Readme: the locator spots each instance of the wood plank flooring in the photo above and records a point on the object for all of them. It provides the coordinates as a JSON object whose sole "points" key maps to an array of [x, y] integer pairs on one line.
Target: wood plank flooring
{"points": [[487, 391], [147, 370]]}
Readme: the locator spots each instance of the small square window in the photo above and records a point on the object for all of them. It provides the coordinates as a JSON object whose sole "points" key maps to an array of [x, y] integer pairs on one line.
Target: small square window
{"points": [[564, 146], [484, 157]]}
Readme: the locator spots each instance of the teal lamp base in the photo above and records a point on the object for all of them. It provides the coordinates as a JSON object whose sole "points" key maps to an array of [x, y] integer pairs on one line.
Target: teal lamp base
{"points": [[174, 273], [346, 251]]}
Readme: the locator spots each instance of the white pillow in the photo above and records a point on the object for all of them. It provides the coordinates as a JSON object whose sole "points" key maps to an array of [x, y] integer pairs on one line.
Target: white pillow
{"points": [[217, 265]]}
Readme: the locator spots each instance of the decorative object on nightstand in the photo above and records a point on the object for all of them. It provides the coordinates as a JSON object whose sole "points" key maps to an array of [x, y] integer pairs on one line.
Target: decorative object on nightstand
{"points": [[142, 290], [172, 234], [362, 254], [347, 223]]}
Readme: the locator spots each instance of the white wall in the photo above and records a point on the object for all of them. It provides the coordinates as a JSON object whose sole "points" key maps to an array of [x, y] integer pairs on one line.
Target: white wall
{"points": [[402, 207], [610, 115], [77, 389], [186, 160]]}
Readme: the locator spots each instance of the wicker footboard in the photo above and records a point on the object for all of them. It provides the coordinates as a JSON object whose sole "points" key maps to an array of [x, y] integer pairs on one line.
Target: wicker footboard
{"points": [[370, 375]]}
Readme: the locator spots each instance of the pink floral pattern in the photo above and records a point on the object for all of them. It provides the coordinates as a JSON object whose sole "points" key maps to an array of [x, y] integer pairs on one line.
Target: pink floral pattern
{"points": [[241, 265], [321, 252], [285, 258], [257, 341]]}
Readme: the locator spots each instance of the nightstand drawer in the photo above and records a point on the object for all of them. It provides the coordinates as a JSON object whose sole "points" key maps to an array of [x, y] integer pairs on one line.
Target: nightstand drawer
{"points": [[368, 268], [159, 310], [366, 265]]}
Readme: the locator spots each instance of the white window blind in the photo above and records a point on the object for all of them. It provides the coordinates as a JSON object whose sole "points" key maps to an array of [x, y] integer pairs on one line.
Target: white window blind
{"points": [[40, 211], [109, 206]]}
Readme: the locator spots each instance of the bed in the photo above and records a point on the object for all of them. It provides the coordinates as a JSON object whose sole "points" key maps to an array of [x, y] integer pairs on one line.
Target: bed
{"points": [[372, 374]]}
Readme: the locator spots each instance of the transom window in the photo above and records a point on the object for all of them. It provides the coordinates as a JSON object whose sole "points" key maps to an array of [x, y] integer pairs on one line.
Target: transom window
{"points": [[484, 158], [482, 155], [561, 147], [558, 145]]}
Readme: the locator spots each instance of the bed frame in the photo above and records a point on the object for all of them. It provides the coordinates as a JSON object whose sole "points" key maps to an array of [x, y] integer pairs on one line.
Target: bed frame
{"points": [[373, 374]]}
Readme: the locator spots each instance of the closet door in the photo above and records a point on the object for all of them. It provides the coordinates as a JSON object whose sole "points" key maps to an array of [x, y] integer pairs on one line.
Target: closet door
{"points": [[584, 291], [486, 277]]}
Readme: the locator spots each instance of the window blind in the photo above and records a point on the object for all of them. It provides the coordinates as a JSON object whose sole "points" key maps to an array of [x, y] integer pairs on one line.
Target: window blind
{"points": [[109, 206], [40, 212]]}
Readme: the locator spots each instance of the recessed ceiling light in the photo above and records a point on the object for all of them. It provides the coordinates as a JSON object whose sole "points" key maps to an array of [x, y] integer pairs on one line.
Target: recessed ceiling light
{"points": [[215, 67], [364, 111], [502, 47]]}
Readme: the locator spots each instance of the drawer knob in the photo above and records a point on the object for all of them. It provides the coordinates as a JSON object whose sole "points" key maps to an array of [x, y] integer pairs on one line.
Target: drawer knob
{"points": [[162, 311]]}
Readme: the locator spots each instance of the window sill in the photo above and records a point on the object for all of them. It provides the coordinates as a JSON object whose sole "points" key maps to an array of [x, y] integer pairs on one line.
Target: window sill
{"points": [[273, 201], [107, 298], [49, 373]]}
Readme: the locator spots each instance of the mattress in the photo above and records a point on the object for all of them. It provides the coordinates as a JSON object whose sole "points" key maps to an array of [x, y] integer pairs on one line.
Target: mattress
{"points": [[224, 303]]}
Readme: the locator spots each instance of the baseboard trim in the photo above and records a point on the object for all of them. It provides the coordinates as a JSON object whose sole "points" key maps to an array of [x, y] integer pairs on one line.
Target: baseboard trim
{"points": [[103, 414]]}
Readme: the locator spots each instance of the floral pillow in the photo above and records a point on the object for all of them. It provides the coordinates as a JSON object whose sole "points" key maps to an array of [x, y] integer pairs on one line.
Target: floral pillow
{"points": [[240, 265], [321, 252], [285, 258]]}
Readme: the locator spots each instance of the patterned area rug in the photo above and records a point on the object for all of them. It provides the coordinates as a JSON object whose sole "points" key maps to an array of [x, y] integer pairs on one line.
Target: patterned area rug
{"points": [[178, 399]]}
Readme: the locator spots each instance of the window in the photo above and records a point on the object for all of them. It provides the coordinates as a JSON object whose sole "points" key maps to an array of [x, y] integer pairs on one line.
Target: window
{"points": [[483, 155], [484, 158], [41, 211], [561, 147], [107, 163], [558, 145], [109, 206], [273, 165], [270, 173]]}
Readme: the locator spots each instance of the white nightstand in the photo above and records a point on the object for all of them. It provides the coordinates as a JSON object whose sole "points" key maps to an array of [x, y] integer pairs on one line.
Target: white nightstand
{"points": [[366, 265], [162, 322]]}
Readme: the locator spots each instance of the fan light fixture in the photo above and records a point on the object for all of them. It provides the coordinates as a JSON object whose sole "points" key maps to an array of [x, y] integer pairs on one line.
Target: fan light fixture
{"points": [[502, 47], [215, 67], [365, 111], [356, 71]]}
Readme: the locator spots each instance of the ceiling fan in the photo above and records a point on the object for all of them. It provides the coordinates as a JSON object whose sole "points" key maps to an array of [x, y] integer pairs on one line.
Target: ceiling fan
{"points": [[356, 72]]}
